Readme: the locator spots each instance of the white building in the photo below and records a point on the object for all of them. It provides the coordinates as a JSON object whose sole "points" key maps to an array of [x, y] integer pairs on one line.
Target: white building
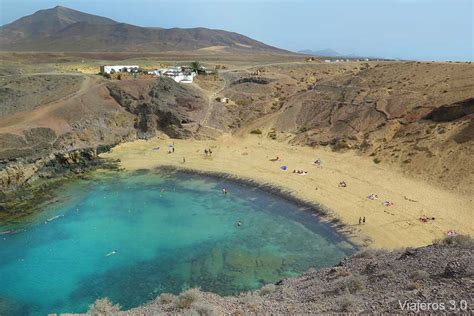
{"points": [[178, 75], [118, 68]]}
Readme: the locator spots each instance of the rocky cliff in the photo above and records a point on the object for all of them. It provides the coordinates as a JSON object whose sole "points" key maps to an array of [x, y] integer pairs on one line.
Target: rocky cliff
{"points": [[64, 136]]}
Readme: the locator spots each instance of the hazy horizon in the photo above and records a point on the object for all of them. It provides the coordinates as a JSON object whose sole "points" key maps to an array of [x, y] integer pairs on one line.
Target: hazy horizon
{"points": [[405, 29]]}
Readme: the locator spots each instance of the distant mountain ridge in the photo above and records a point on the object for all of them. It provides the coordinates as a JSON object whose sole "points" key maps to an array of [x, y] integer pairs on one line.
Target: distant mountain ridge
{"points": [[64, 29], [328, 52]]}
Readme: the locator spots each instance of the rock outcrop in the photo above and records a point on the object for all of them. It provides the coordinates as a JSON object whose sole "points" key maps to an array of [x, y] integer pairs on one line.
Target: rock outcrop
{"points": [[369, 282]]}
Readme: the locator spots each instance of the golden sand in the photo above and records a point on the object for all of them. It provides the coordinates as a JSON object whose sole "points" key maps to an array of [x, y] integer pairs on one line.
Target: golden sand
{"points": [[250, 158]]}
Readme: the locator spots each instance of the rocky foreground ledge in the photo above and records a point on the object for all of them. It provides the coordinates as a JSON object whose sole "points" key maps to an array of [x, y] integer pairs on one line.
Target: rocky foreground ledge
{"points": [[433, 279]]}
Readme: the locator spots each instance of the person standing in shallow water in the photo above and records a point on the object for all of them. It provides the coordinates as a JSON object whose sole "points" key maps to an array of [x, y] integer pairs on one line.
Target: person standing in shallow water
{"points": [[224, 190]]}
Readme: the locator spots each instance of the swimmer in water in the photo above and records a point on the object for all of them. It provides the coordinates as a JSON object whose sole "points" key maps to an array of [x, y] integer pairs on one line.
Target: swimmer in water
{"points": [[238, 223], [113, 252]]}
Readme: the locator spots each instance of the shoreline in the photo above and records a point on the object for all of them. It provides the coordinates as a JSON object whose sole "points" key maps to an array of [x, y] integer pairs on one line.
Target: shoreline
{"points": [[249, 159], [314, 208]]}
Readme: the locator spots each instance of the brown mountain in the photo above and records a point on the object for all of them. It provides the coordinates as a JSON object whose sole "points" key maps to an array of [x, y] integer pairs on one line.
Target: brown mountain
{"points": [[64, 29]]}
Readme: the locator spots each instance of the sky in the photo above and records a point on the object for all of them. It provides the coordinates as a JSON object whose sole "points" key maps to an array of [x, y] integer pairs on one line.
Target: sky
{"points": [[406, 29]]}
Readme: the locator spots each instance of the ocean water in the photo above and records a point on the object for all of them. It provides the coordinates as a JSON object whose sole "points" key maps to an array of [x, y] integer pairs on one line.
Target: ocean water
{"points": [[169, 231]]}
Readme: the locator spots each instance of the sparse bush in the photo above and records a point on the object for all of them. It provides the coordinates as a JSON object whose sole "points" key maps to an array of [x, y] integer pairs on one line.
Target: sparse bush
{"points": [[103, 307], [419, 275], [267, 289], [166, 298], [385, 274], [414, 286], [187, 298], [462, 241], [272, 134], [367, 253], [353, 284], [347, 303], [204, 309], [340, 272], [256, 131], [251, 301]]}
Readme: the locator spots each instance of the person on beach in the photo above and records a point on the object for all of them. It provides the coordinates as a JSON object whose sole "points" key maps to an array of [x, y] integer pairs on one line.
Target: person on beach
{"points": [[173, 149], [210, 152], [363, 220], [342, 184], [360, 220], [184, 160], [205, 151]]}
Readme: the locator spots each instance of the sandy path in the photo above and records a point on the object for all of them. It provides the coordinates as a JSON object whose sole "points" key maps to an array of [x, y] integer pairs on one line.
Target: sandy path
{"points": [[388, 227], [44, 115]]}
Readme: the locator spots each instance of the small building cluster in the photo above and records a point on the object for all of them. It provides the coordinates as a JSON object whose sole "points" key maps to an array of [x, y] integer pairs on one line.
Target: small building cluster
{"points": [[180, 74], [118, 68], [344, 60]]}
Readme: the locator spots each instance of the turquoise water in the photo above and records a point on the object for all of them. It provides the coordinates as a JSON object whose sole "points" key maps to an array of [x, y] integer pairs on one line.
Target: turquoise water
{"points": [[170, 231]]}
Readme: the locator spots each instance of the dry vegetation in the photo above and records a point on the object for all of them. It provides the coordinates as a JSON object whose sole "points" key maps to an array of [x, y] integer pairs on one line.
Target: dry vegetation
{"points": [[370, 282]]}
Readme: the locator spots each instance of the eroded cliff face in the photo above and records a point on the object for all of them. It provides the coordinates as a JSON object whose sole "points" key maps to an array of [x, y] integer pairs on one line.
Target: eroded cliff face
{"points": [[415, 116], [65, 136], [161, 105]]}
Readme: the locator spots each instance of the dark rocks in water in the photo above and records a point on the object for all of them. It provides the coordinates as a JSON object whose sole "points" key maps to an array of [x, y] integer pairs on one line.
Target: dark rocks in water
{"points": [[390, 283]]}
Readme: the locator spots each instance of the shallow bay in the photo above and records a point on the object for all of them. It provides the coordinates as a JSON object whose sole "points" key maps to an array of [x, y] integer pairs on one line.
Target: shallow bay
{"points": [[164, 232]]}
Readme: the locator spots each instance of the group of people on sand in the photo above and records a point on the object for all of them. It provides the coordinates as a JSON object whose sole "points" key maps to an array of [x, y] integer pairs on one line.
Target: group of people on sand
{"points": [[361, 220], [171, 148], [208, 152], [425, 219], [302, 172], [372, 196], [342, 184]]}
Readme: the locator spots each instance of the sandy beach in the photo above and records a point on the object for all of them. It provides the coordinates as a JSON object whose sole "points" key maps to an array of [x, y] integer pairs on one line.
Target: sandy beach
{"points": [[250, 158]]}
